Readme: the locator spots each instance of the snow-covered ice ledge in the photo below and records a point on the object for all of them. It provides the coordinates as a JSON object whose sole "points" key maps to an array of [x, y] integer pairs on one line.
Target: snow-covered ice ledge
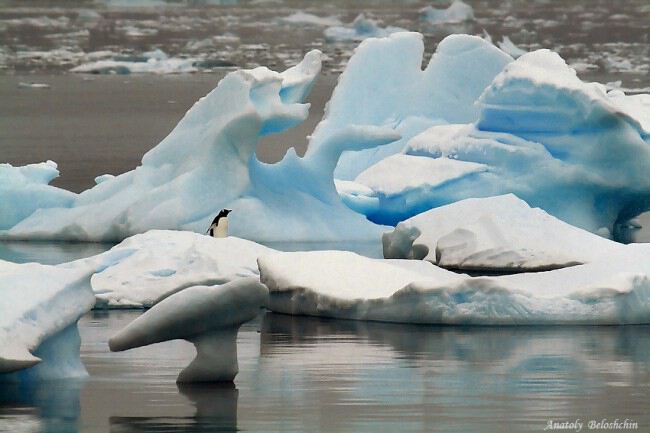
{"points": [[614, 290], [40, 307]]}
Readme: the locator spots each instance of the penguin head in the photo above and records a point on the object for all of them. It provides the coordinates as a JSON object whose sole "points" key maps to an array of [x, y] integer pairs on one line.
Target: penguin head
{"points": [[224, 213]]}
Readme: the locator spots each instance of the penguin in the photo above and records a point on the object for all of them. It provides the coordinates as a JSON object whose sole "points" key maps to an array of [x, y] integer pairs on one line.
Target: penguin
{"points": [[219, 226]]}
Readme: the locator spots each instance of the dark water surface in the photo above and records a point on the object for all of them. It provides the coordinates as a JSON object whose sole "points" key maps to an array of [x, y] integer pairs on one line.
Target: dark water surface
{"points": [[308, 374]]}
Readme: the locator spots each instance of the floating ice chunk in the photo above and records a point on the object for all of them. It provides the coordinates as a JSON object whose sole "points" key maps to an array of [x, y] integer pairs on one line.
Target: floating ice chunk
{"points": [[497, 234], [103, 178], [164, 262], [39, 310], [360, 29], [301, 17], [614, 290], [509, 47], [457, 12], [33, 85], [153, 62], [209, 317]]}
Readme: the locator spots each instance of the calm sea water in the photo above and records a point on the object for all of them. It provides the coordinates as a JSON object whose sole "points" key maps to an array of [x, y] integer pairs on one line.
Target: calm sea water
{"points": [[308, 374]]}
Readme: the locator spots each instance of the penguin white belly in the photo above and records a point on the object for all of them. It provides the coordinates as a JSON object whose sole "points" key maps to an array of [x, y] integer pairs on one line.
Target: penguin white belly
{"points": [[221, 231]]}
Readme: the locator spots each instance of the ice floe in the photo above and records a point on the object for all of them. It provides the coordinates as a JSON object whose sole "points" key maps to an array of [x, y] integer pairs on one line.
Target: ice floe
{"points": [[361, 28], [494, 234], [153, 62], [305, 18], [457, 12], [614, 290], [162, 262]]}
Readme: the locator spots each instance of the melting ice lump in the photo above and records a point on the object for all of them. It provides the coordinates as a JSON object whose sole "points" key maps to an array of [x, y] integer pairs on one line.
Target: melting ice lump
{"points": [[614, 290], [178, 186], [457, 12], [499, 233], [209, 317], [360, 29], [40, 307], [163, 262]]}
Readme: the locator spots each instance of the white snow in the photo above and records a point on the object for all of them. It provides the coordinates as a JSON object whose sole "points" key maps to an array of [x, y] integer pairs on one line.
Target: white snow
{"points": [[614, 290], [498, 233], [163, 262], [457, 12], [209, 317]]}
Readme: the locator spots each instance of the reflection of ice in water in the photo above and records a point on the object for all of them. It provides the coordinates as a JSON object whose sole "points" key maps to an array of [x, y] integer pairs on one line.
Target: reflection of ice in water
{"points": [[302, 373]]}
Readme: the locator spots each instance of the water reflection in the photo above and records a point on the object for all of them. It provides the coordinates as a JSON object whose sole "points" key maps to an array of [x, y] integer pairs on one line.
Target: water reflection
{"points": [[313, 374], [49, 406], [454, 378], [49, 253]]}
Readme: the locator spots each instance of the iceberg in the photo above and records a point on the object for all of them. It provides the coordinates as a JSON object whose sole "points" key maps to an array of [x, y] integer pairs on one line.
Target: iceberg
{"points": [[40, 307], [547, 137], [612, 291], [182, 187], [473, 123], [457, 12], [416, 99], [494, 234], [209, 317], [360, 29], [162, 262]]}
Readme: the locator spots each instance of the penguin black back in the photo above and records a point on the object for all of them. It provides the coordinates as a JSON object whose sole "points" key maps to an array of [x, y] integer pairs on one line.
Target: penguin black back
{"points": [[215, 222]]}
